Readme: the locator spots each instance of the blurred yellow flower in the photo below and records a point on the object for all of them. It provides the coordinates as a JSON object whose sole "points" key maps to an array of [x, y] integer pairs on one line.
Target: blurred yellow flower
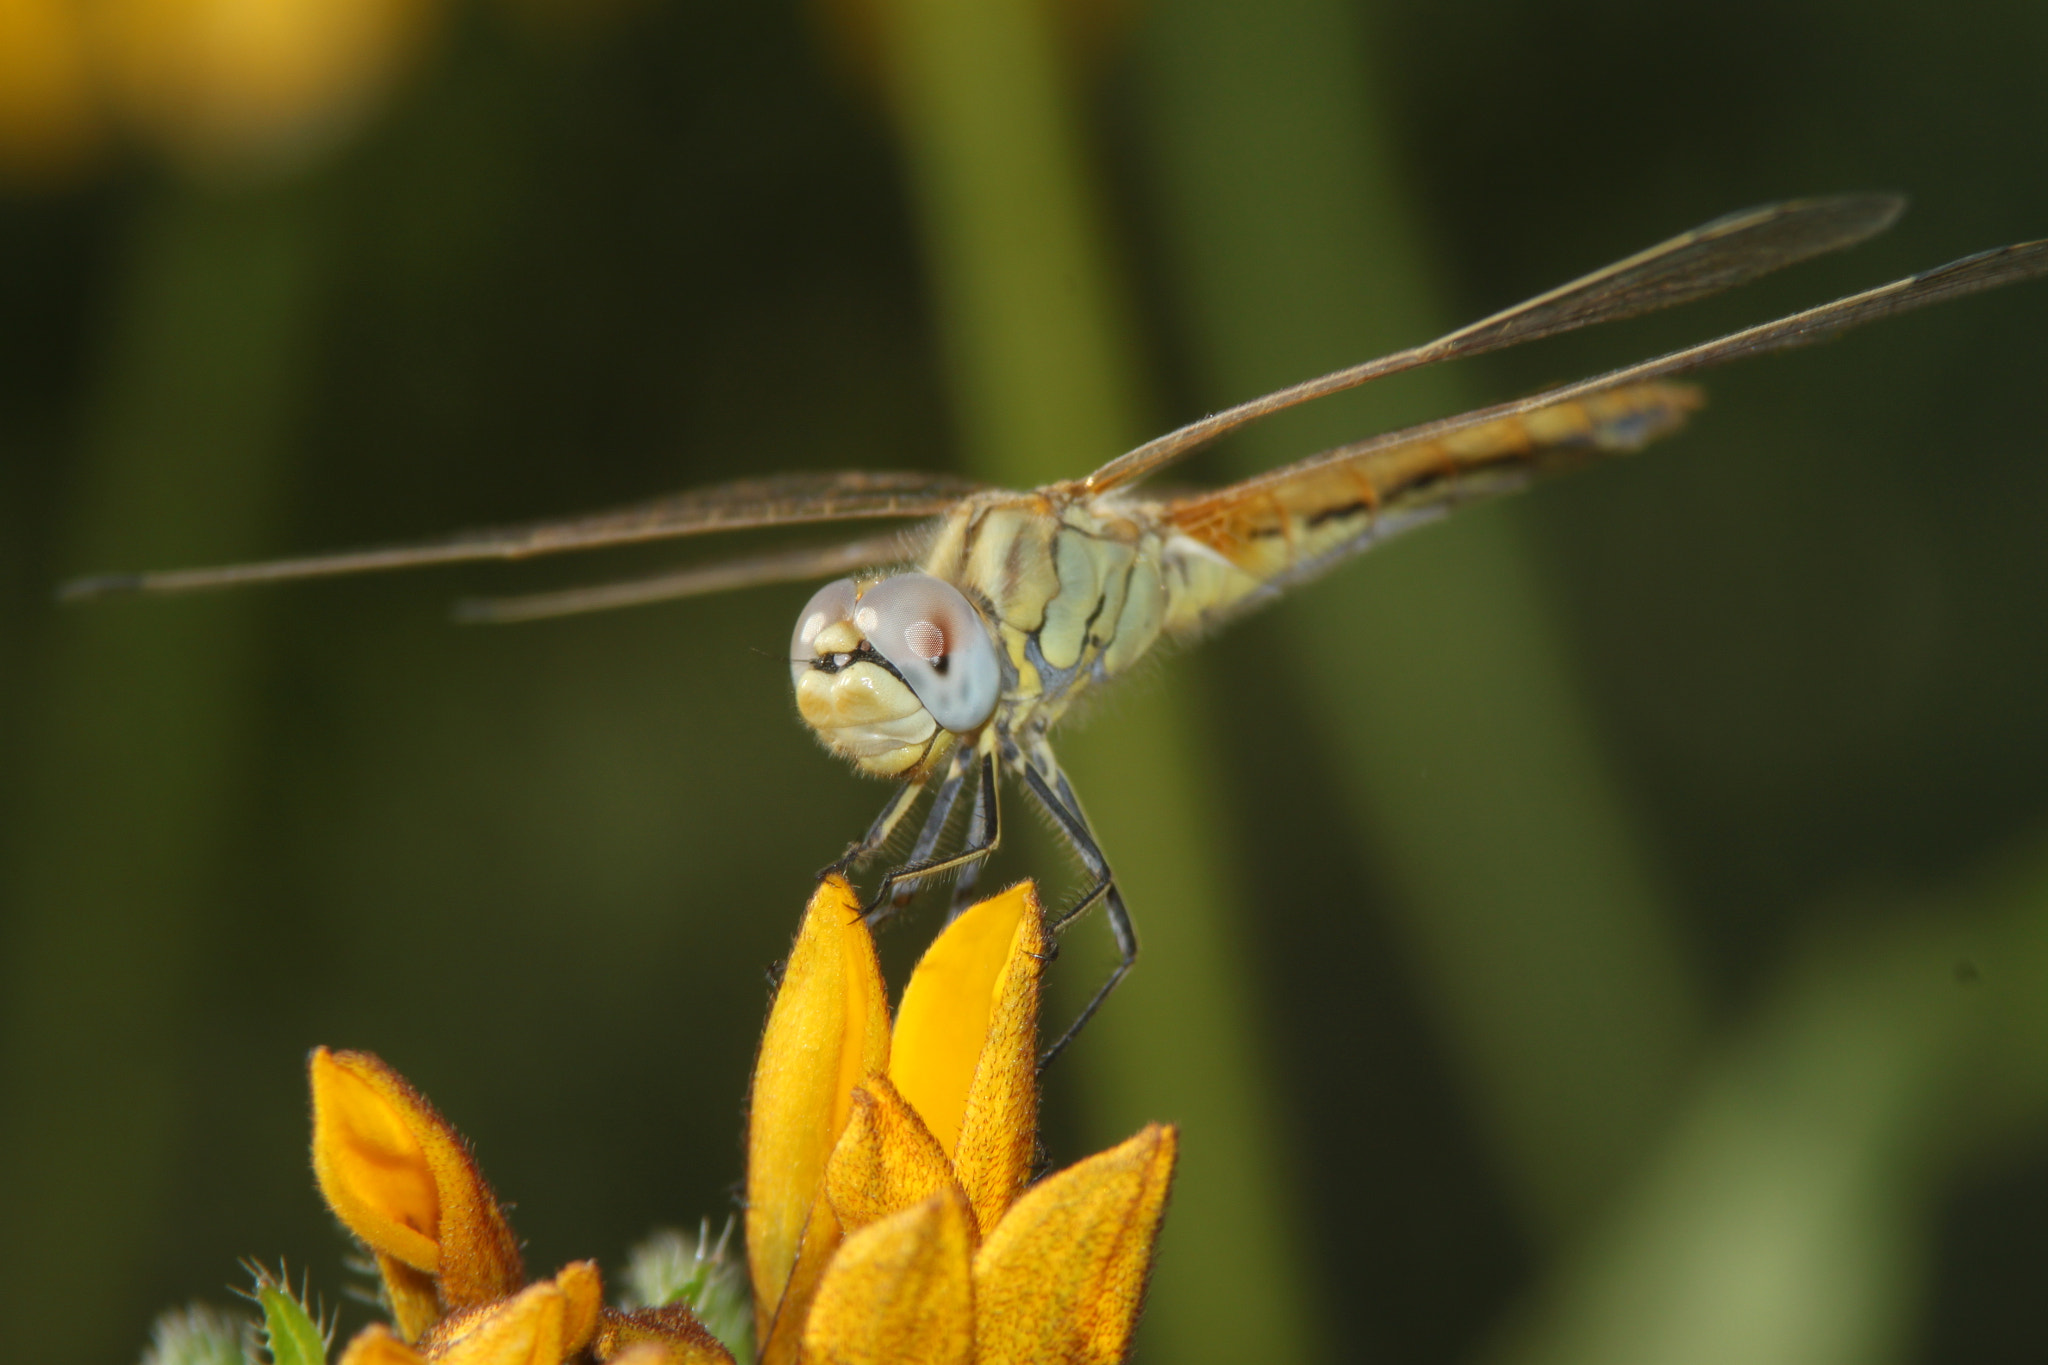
{"points": [[888, 1214], [49, 111], [403, 1181], [215, 83]]}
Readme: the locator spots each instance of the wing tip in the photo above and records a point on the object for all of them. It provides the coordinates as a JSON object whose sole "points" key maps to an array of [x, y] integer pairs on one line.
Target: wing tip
{"points": [[100, 585]]}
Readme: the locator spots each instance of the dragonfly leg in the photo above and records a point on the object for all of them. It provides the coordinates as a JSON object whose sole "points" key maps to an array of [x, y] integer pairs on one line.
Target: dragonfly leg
{"points": [[973, 852], [878, 833], [977, 832], [1066, 813], [943, 801]]}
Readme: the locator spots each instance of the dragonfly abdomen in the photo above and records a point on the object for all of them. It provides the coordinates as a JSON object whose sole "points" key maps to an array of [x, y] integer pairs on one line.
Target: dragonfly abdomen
{"points": [[1288, 526]]}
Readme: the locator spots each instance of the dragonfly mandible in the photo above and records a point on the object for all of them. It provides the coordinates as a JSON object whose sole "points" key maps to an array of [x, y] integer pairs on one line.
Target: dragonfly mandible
{"points": [[949, 664]]}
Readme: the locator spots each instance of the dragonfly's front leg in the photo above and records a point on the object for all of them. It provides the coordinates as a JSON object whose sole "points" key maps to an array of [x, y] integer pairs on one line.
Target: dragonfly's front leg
{"points": [[1043, 779], [980, 830], [878, 833], [943, 801], [971, 853]]}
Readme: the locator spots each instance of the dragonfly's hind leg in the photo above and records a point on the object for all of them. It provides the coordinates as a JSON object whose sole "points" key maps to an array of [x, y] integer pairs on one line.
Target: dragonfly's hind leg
{"points": [[969, 855], [1052, 791]]}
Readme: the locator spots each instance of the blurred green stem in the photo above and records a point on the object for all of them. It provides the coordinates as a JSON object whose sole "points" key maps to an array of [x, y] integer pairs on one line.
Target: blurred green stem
{"points": [[142, 735], [1456, 735], [1783, 1220], [1037, 332]]}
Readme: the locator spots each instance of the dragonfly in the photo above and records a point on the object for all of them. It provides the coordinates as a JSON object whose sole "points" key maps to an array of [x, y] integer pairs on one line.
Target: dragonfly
{"points": [[942, 657]]}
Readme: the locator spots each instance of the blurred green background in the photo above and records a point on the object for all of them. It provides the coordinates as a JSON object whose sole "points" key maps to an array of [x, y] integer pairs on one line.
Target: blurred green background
{"points": [[1610, 928]]}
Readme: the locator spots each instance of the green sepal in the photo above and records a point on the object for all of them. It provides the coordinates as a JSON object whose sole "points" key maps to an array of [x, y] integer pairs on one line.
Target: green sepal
{"points": [[291, 1334], [674, 1268]]}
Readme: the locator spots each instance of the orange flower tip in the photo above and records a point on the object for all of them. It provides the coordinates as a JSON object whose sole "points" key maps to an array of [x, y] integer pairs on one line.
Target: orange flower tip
{"points": [[886, 1160], [372, 1167], [403, 1180], [583, 1296], [1063, 1275], [899, 1290]]}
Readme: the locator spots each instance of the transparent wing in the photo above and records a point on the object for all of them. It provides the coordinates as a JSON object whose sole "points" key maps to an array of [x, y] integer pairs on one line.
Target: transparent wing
{"points": [[789, 500], [1719, 255], [1970, 275], [790, 566]]}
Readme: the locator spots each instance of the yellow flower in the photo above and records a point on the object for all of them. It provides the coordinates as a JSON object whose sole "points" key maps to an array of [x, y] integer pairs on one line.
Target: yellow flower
{"points": [[402, 1180], [888, 1214], [218, 83]]}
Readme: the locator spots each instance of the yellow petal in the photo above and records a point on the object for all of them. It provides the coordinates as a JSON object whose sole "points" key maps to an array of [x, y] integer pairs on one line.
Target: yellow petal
{"points": [[415, 1303], [886, 1161], [375, 1345], [402, 1179], [372, 1167], [999, 1130], [828, 1028], [657, 1336], [899, 1292], [582, 1299], [523, 1330], [943, 1022], [1062, 1277], [785, 1331]]}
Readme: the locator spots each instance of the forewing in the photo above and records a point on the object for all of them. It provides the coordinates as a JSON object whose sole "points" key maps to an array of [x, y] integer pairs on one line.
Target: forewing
{"points": [[790, 566], [1972, 274], [1729, 251], [787, 500]]}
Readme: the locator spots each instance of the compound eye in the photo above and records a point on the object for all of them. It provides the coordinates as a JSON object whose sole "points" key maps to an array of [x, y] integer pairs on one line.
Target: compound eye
{"points": [[828, 606], [935, 638]]}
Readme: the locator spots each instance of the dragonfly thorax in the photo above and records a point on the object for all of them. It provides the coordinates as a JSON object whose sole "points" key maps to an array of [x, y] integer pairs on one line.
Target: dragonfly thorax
{"points": [[890, 673]]}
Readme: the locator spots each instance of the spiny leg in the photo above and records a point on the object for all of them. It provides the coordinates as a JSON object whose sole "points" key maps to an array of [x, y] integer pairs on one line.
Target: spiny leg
{"points": [[973, 852], [1066, 812], [943, 801], [878, 833], [977, 832]]}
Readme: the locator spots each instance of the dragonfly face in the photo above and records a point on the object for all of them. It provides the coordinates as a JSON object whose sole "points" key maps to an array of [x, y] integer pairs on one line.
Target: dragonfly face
{"points": [[935, 678], [891, 673]]}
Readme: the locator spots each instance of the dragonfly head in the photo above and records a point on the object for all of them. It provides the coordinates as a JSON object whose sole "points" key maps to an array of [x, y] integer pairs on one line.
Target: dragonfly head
{"points": [[891, 673]]}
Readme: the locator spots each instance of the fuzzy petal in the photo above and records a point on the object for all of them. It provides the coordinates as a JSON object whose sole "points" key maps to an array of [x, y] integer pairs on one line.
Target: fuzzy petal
{"points": [[886, 1161], [582, 1299], [403, 1180], [828, 1028], [376, 1345], [657, 1336], [526, 1329], [943, 1023], [899, 1292], [372, 1166], [1062, 1277], [999, 1129], [415, 1303]]}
